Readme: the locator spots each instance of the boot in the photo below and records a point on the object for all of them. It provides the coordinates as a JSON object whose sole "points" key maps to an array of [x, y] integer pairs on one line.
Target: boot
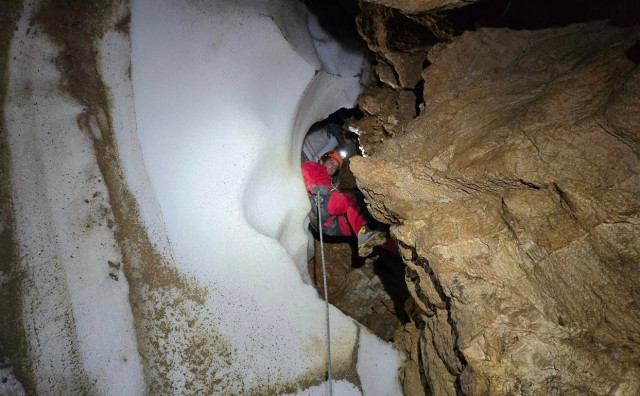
{"points": [[368, 239]]}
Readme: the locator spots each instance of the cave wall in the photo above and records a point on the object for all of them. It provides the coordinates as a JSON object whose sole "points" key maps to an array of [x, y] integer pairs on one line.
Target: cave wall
{"points": [[514, 196]]}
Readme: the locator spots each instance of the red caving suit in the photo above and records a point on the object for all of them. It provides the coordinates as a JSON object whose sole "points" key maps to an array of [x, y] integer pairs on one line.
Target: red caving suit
{"points": [[342, 207]]}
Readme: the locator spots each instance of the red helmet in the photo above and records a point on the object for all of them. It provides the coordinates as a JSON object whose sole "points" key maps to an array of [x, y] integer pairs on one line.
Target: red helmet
{"points": [[331, 154]]}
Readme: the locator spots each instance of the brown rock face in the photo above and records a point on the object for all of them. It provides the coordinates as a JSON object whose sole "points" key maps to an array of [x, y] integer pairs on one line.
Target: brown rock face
{"points": [[400, 46], [399, 43], [386, 112], [516, 201]]}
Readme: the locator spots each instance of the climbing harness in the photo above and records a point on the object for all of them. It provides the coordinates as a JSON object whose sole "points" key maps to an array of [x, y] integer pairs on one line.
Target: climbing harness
{"points": [[326, 296], [330, 225]]}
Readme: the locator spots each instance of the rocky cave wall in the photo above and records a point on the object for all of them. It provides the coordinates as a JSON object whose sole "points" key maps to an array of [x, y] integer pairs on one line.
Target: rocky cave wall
{"points": [[514, 193]]}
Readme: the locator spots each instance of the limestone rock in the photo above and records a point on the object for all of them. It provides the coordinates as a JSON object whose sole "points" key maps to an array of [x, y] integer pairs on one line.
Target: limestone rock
{"points": [[400, 44], [386, 113], [515, 197]]}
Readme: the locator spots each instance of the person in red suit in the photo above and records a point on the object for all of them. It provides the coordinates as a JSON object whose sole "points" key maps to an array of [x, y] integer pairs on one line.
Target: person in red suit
{"points": [[341, 214]]}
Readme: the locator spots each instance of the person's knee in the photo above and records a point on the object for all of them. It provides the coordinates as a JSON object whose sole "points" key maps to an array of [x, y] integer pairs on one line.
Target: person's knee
{"points": [[348, 197], [351, 201], [339, 203]]}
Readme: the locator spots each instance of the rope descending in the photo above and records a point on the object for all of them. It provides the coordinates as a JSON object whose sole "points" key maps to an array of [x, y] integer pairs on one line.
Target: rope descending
{"points": [[326, 296]]}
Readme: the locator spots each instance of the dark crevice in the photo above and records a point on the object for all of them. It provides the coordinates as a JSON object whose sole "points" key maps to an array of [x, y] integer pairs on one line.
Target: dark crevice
{"points": [[419, 92], [390, 269], [566, 203], [336, 17], [439, 289], [563, 196], [422, 367], [524, 14], [634, 53], [507, 217], [529, 184]]}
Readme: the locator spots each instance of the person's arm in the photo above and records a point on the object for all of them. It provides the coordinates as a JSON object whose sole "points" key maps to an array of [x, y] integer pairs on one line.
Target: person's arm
{"points": [[307, 176], [314, 175]]}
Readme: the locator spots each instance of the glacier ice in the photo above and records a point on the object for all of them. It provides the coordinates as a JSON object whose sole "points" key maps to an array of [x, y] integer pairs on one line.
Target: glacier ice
{"points": [[209, 103]]}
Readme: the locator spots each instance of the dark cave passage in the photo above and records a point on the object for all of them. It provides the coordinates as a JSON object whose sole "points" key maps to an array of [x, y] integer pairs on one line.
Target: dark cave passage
{"points": [[371, 290]]}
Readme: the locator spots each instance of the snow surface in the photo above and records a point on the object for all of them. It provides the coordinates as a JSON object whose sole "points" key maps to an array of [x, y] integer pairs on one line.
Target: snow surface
{"points": [[9, 385], [76, 317], [374, 362], [209, 136]]}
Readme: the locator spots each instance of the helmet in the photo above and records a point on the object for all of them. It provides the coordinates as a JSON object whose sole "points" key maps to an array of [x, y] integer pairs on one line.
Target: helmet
{"points": [[331, 154]]}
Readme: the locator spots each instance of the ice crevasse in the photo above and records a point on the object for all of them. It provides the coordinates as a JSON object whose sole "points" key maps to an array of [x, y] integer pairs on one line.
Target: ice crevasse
{"points": [[160, 217]]}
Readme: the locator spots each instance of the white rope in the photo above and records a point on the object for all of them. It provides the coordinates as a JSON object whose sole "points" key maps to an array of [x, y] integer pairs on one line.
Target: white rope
{"points": [[326, 296]]}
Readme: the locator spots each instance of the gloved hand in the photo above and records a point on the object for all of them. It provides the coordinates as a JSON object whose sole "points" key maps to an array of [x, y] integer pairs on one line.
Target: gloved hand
{"points": [[322, 189]]}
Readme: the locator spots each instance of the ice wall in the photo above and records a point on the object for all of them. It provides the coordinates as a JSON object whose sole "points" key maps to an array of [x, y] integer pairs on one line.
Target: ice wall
{"points": [[208, 106], [76, 314]]}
